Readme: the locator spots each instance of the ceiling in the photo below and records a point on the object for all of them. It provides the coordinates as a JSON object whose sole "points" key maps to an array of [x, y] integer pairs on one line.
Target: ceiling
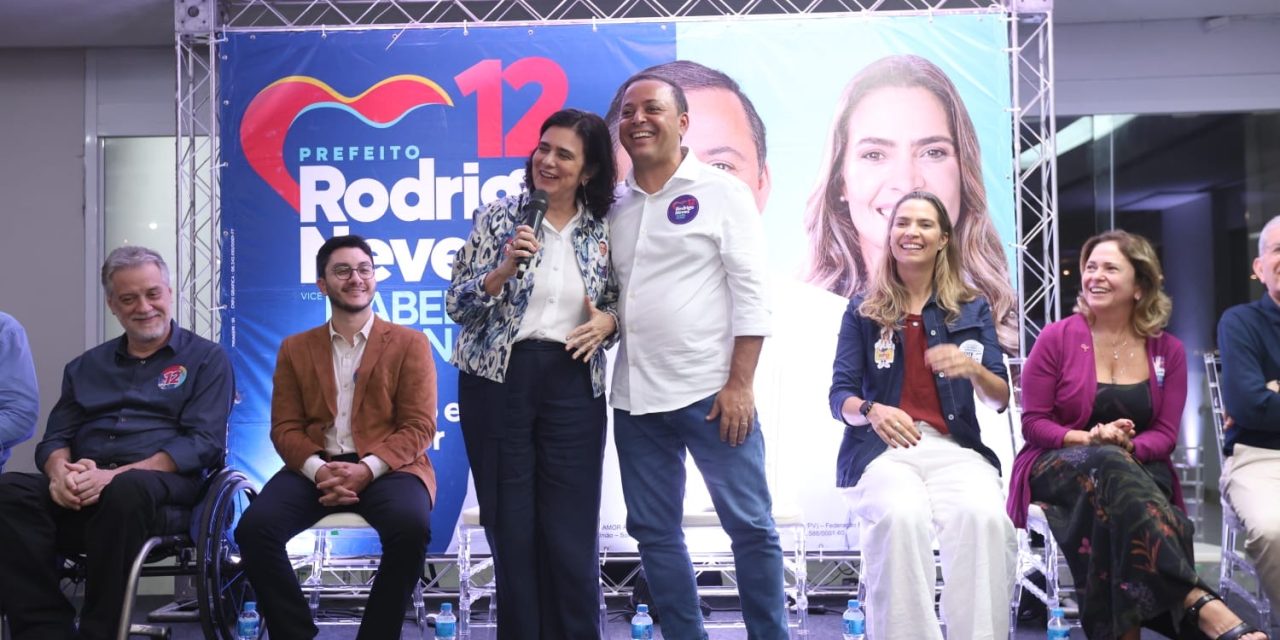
{"points": [[131, 23]]}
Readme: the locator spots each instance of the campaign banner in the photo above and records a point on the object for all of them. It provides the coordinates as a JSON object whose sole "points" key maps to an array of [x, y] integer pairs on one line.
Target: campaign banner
{"points": [[398, 136]]}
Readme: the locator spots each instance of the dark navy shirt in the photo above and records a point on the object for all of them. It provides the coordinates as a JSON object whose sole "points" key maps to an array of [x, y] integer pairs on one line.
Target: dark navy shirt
{"points": [[1249, 340], [116, 409], [862, 370]]}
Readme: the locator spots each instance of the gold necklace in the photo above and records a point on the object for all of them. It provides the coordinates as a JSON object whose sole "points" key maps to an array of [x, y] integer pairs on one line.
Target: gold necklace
{"points": [[1117, 367]]}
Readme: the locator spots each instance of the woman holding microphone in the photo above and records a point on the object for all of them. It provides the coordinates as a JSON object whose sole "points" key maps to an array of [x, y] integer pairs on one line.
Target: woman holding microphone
{"points": [[533, 296]]}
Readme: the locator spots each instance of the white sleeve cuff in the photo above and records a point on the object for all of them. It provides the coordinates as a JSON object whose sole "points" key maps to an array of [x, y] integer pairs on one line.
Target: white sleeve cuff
{"points": [[376, 465], [311, 466]]}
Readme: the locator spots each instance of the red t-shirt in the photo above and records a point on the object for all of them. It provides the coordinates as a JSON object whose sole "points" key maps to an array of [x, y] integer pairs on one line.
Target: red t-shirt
{"points": [[919, 393]]}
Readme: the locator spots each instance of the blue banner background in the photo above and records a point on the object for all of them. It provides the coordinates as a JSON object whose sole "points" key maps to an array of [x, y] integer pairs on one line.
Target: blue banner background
{"points": [[268, 290], [794, 70]]}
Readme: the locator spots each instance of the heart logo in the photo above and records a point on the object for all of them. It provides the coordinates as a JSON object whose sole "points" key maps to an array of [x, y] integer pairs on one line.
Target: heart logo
{"points": [[269, 115]]}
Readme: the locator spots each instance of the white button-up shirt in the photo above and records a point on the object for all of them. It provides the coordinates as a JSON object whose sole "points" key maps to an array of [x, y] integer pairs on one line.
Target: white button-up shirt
{"points": [[337, 438], [556, 304], [690, 263]]}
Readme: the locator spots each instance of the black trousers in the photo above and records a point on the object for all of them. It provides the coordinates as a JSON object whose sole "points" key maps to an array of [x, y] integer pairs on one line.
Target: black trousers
{"points": [[396, 505], [34, 532], [536, 447]]}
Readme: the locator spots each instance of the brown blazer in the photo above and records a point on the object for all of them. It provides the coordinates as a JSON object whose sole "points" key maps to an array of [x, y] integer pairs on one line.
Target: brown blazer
{"points": [[393, 412]]}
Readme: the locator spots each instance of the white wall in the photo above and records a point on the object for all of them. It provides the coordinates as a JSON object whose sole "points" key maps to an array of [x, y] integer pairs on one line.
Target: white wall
{"points": [[46, 125], [42, 212], [1167, 66]]}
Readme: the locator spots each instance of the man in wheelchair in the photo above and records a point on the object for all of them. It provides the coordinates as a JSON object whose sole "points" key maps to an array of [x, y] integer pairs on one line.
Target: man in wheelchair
{"points": [[139, 425]]}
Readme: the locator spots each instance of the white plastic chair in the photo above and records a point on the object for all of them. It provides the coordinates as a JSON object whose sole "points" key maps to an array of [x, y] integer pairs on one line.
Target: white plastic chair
{"points": [[1235, 565], [322, 562], [1045, 560], [471, 587], [785, 520]]}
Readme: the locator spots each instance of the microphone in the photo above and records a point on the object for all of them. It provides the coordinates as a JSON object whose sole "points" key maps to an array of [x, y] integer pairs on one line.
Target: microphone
{"points": [[534, 211]]}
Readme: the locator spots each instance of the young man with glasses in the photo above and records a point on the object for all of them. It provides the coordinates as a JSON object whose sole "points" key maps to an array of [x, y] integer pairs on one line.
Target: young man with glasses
{"points": [[352, 413]]}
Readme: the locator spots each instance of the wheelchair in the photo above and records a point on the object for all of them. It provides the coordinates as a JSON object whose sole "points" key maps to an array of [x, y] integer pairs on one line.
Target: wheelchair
{"points": [[195, 542]]}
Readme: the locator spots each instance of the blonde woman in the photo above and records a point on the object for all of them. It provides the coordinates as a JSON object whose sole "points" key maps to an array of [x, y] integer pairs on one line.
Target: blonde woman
{"points": [[911, 355], [899, 127]]}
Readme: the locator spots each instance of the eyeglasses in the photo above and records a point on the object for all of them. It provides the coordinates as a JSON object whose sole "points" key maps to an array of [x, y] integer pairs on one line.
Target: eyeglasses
{"points": [[344, 271]]}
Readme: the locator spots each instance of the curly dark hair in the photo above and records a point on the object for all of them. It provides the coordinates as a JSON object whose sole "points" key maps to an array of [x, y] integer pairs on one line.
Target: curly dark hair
{"points": [[597, 149]]}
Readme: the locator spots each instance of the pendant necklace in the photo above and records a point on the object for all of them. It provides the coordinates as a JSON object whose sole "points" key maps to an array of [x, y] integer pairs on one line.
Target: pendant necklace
{"points": [[1116, 365]]}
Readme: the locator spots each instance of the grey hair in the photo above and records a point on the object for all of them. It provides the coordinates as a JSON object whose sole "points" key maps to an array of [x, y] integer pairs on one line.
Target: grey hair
{"points": [[1266, 228], [129, 257]]}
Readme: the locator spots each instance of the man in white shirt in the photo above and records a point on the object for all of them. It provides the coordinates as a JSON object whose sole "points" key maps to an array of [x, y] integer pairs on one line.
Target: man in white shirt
{"points": [[352, 412], [689, 257]]}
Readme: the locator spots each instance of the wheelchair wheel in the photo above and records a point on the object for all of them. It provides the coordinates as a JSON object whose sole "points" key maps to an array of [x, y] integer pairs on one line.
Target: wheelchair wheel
{"points": [[222, 586]]}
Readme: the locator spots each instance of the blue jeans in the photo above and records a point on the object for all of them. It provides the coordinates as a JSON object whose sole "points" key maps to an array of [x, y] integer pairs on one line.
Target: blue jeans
{"points": [[651, 450]]}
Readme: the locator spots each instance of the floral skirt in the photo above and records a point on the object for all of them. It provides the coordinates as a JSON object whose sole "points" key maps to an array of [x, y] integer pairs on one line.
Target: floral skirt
{"points": [[1129, 548]]}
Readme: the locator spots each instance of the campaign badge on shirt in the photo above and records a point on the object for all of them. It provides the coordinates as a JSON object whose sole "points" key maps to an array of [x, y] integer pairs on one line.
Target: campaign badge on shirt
{"points": [[173, 377], [682, 210], [884, 352], [1158, 364], [973, 349]]}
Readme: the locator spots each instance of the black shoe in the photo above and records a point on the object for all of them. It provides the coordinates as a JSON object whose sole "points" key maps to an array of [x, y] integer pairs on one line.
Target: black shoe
{"points": [[1191, 621]]}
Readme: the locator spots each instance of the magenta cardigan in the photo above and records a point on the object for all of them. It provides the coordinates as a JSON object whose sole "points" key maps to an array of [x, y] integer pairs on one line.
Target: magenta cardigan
{"points": [[1059, 383]]}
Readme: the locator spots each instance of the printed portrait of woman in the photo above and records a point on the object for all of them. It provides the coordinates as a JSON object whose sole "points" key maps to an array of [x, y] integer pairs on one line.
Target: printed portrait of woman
{"points": [[900, 126]]}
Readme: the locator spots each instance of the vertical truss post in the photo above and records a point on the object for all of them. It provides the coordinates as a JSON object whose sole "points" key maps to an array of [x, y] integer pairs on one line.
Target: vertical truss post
{"points": [[197, 272], [1035, 165]]}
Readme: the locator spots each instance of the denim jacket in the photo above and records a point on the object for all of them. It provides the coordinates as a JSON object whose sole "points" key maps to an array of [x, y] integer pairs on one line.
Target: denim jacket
{"points": [[855, 373], [489, 323]]}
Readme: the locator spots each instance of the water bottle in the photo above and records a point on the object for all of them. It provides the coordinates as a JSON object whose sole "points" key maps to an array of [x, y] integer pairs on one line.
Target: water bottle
{"points": [[1058, 627], [642, 624], [446, 623], [855, 623], [247, 627]]}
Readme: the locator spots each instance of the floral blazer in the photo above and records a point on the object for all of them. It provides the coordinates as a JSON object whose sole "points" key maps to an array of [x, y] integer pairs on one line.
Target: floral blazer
{"points": [[489, 323]]}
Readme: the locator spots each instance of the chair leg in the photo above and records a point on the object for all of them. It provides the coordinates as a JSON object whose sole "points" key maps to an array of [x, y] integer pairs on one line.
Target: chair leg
{"points": [[316, 578], [131, 588], [464, 583], [1051, 571], [420, 610], [604, 604], [802, 582]]}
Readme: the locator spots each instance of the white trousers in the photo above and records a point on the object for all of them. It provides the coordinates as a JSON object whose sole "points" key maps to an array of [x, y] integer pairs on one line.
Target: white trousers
{"points": [[1250, 481], [903, 499]]}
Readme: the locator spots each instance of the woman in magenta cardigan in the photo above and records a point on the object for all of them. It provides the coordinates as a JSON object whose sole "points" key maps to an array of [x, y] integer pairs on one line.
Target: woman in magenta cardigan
{"points": [[1103, 393]]}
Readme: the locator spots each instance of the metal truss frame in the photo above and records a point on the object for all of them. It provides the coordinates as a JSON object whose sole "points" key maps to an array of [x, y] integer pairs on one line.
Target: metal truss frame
{"points": [[1036, 177], [200, 24]]}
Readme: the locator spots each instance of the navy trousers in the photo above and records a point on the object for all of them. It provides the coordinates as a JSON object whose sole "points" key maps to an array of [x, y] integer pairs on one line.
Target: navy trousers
{"points": [[536, 447], [396, 505]]}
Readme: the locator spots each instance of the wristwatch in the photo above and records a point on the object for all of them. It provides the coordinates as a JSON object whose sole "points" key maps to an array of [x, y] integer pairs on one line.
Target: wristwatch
{"points": [[866, 407]]}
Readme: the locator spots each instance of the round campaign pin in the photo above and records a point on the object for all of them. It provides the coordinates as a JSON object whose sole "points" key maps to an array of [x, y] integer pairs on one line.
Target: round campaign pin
{"points": [[683, 209]]}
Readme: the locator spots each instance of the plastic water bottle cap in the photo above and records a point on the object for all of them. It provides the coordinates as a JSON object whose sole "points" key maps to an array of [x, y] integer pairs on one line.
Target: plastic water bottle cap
{"points": [[642, 608], [446, 607], [250, 606], [1057, 612], [853, 604]]}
